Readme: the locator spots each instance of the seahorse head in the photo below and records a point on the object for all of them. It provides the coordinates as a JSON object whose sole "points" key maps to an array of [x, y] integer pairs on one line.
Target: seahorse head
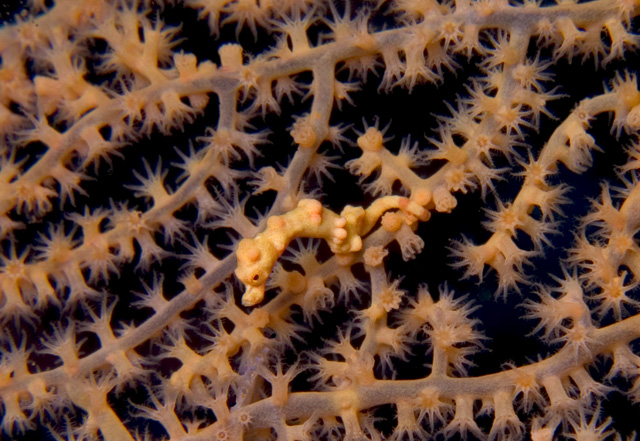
{"points": [[254, 266]]}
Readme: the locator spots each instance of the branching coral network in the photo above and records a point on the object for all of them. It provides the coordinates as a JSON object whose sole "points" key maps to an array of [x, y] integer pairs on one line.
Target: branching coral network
{"points": [[303, 220]]}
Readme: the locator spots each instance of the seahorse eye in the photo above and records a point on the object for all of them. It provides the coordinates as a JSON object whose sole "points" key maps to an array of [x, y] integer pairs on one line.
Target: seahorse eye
{"points": [[256, 277]]}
